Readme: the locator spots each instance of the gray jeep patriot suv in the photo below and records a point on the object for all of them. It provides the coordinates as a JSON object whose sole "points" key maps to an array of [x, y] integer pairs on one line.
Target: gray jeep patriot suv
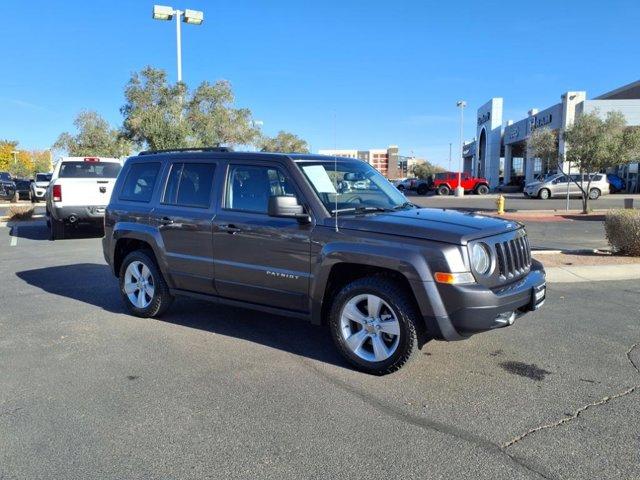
{"points": [[321, 238]]}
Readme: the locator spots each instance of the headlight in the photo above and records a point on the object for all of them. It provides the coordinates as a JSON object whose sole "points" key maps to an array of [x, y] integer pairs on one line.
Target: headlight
{"points": [[480, 258]]}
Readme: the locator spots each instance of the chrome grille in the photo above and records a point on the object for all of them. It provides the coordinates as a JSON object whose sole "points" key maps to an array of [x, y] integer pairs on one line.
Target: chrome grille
{"points": [[513, 257]]}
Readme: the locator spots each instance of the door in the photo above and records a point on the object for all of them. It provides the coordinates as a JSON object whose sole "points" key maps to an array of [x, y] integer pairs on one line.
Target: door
{"points": [[260, 259], [184, 218], [558, 186]]}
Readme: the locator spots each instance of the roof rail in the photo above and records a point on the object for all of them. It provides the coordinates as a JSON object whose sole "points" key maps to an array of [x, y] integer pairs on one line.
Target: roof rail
{"points": [[194, 149]]}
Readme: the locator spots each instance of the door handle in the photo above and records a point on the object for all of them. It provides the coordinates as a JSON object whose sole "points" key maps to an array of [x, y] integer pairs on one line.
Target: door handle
{"points": [[229, 228], [166, 221]]}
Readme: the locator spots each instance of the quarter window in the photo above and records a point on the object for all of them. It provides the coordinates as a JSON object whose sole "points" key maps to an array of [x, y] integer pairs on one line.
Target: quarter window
{"points": [[189, 185], [249, 187], [138, 186]]}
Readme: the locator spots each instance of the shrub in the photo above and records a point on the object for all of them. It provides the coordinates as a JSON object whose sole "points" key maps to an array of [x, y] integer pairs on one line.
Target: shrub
{"points": [[623, 231], [20, 212]]}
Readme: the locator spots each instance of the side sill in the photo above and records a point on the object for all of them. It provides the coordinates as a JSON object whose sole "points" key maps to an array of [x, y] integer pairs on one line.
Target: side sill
{"points": [[240, 304]]}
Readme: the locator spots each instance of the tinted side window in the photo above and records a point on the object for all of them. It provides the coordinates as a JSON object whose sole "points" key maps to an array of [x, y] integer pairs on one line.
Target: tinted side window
{"points": [[249, 187], [138, 186], [189, 185]]}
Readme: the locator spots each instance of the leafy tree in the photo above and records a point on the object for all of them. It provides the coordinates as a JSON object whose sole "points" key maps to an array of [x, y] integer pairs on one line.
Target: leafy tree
{"points": [[153, 112], [284, 142], [593, 145], [158, 115], [6, 157], [213, 120], [94, 137], [426, 169], [41, 160]]}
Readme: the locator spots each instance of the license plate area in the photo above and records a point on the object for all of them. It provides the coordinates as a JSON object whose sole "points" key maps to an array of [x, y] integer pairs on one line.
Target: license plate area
{"points": [[538, 296]]}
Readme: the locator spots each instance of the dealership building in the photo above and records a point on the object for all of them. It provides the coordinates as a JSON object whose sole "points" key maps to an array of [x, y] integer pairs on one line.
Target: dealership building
{"points": [[499, 150]]}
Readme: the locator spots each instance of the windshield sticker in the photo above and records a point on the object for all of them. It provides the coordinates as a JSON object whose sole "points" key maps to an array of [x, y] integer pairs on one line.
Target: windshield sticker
{"points": [[320, 178]]}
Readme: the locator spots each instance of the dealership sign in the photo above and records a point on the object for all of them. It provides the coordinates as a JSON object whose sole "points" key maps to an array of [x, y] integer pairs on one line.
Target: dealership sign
{"points": [[541, 120], [484, 117]]}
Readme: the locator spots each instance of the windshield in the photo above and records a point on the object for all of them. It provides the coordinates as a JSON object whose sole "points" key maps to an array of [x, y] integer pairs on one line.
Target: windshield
{"points": [[89, 170], [356, 186], [5, 176], [43, 177]]}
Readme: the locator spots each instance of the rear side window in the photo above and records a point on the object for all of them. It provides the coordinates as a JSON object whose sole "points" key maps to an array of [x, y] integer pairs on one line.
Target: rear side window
{"points": [[89, 170], [138, 186], [190, 185]]}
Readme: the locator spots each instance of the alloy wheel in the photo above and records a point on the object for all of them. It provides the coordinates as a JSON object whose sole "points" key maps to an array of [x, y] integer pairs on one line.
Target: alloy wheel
{"points": [[370, 328], [139, 284]]}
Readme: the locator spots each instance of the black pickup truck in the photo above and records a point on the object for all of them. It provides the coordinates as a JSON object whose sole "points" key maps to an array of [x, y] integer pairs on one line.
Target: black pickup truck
{"points": [[7, 187], [279, 233]]}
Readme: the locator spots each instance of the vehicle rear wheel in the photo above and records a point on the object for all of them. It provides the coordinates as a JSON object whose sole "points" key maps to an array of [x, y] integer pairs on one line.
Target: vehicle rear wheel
{"points": [[56, 229], [443, 190], [594, 194], [374, 324], [142, 286], [544, 194], [482, 190], [422, 189]]}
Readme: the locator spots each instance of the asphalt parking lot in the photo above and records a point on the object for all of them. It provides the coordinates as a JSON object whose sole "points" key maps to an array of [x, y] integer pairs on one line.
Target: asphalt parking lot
{"points": [[87, 391]]}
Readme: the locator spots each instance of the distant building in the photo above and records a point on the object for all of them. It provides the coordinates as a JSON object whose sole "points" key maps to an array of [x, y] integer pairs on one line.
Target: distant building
{"points": [[499, 150], [386, 161]]}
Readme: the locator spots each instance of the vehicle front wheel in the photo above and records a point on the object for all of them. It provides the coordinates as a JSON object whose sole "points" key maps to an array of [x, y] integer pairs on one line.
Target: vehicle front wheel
{"points": [[544, 194], [482, 190], [594, 194], [374, 323], [143, 289], [443, 190], [400, 187]]}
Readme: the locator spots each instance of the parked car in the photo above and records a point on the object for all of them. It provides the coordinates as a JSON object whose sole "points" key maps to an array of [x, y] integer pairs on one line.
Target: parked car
{"points": [[39, 186], [446, 182], [556, 186], [23, 187], [616, 183], [79, 191], [274, 233], [420, 185], [7, 187]]}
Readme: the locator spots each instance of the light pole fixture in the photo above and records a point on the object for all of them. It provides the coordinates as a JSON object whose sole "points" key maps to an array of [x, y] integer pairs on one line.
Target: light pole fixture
{"points": [[15, 156], [194, 17], [459, 189]]}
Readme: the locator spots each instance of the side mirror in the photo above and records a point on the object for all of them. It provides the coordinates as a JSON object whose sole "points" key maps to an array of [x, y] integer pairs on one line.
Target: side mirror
{"points": [[284, 206]]}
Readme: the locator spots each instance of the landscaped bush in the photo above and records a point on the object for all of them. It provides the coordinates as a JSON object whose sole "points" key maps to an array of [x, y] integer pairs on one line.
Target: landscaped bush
{"points": [[623, 231], [20, 212]]}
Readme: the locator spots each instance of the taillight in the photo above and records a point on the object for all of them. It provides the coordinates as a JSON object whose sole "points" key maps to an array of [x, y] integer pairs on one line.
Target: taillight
{"points": [[57, 193]]}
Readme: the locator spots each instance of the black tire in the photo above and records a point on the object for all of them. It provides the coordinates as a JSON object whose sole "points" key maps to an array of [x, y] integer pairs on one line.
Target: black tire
{"points": [[403, 306], [544, 194], [482, 189], [422, 189], [56, 229], [400, 187], [594, 193], [161, 299], [443, 190]]}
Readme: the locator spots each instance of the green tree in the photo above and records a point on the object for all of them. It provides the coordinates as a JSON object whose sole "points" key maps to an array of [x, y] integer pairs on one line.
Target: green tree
{"points": [[426, 169], [284, 142], [593, 145], [153, 112], [213, 120], [6, 157], [94, 137]]}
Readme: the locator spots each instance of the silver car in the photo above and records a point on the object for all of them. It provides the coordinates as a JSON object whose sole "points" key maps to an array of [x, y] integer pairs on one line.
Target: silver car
{"points": [[556, 186]]}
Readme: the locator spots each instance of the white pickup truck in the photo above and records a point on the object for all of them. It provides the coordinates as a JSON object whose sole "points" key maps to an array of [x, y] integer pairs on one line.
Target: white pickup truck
{"points": [[79, 191]]}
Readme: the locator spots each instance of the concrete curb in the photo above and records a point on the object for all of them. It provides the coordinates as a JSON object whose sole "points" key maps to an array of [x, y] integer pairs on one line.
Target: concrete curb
{"points": [[593, 273]]}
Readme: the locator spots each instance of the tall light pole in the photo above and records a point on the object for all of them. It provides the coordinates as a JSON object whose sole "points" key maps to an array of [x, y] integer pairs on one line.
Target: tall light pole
{"points": [[194, 17], [450, 144], [459, 189]]}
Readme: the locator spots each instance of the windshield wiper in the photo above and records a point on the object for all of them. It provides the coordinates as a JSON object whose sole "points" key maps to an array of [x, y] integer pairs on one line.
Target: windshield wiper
{"points": [[405, 205], [360, 210]]}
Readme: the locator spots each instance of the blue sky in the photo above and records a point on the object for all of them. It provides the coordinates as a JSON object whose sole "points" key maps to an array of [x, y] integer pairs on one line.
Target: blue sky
{"points": [[390, 72]]}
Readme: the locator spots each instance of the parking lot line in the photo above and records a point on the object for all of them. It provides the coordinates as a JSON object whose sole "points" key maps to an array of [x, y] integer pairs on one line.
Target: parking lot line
{"points": [[14, 236]]}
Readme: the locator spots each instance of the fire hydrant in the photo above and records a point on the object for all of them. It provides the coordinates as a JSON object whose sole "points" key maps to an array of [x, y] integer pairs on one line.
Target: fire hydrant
{"points": [[500, 205]]}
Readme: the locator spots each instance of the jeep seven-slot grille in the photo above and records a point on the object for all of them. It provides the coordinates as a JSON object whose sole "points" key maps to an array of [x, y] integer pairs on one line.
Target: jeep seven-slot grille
{"points": [[513, 257]]}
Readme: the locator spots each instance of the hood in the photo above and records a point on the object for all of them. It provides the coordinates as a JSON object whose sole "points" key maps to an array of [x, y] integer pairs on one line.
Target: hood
{"points": [[442, 225]]}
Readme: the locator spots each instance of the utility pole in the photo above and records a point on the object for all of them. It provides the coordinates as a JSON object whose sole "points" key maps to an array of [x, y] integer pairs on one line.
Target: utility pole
{"points": [[450, 144], [459, 190]]}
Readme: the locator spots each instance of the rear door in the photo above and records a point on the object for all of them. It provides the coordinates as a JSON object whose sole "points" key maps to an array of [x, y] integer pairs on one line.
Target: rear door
{"points": [[88, 182], [184, 216]]}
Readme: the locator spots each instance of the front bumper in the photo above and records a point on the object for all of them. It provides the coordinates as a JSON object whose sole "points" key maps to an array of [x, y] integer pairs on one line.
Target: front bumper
{"points": [[460, 311], [78, 214]]}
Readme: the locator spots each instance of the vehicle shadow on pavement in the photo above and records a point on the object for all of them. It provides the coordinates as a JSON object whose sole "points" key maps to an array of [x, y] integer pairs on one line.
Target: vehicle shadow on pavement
{"points": [[287, 334], [87, 282], [298, 337], [39, 231]]}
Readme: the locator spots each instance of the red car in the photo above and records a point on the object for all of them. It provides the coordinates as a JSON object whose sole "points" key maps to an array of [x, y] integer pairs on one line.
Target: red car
{"points": [[445, 183]]}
